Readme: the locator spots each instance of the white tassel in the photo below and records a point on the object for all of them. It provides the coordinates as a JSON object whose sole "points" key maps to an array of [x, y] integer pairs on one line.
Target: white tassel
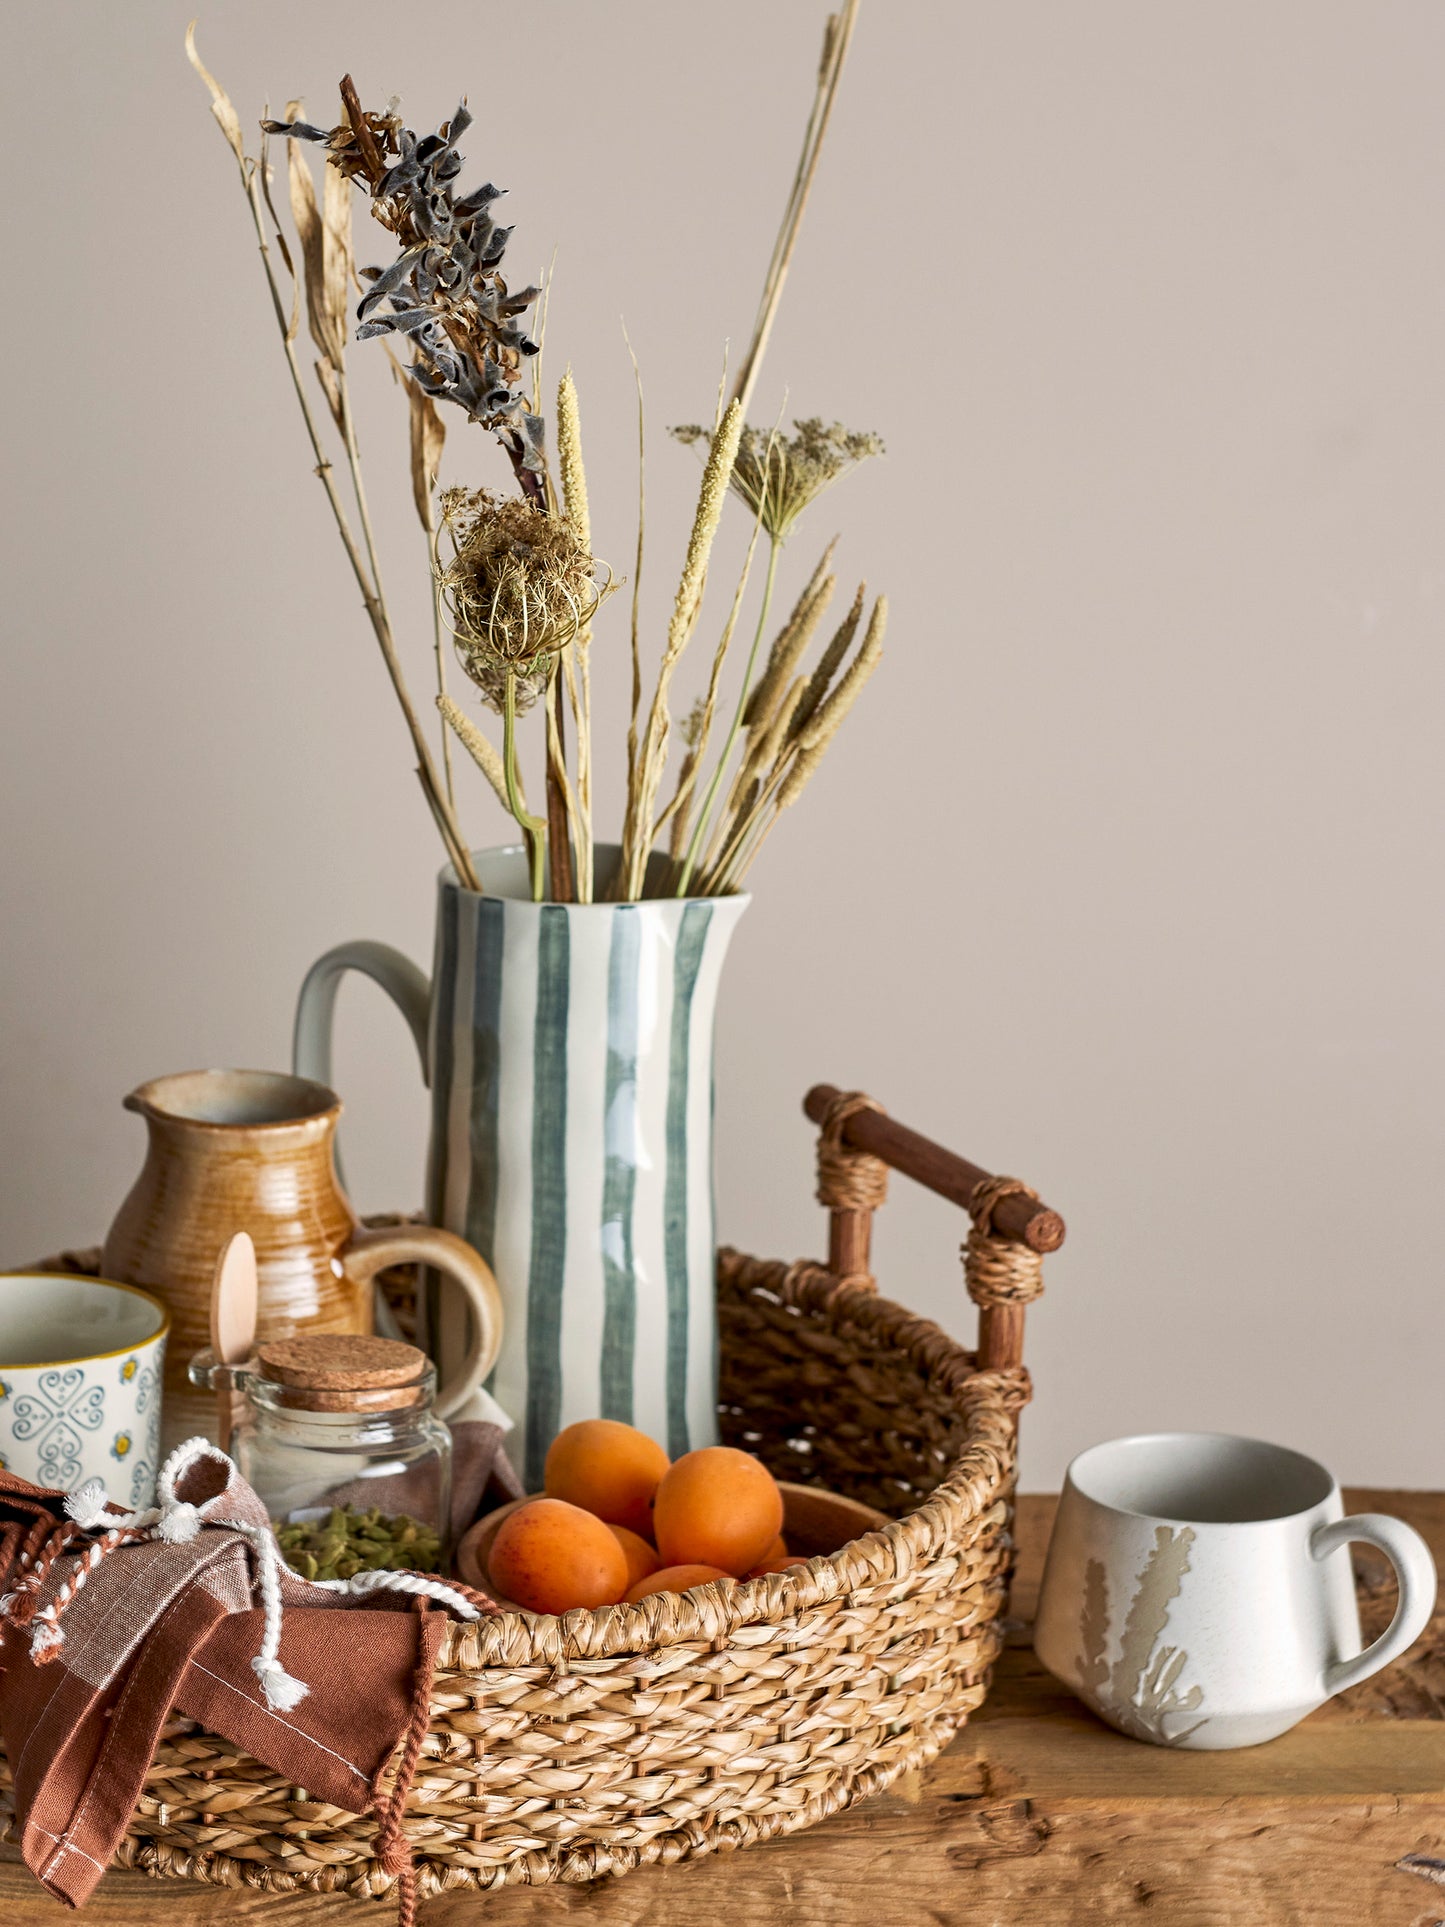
{"points": [[88, 1505], [179, 1524], [281, 1691], [44, 1635]]}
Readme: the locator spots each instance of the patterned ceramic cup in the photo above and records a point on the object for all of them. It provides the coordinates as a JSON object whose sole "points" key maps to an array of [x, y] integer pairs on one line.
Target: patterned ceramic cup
{"points": [[80, 1383], [1198, 1589]]}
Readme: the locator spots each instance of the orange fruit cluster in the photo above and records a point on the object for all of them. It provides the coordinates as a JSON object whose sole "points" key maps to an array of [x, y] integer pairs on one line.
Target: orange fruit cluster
{"points": [[619, 1521]]}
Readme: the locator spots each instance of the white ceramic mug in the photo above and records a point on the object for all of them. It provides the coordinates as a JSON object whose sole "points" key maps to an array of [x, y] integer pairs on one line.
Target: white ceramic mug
{"points": [[1198, 1589], [80, 1383]]}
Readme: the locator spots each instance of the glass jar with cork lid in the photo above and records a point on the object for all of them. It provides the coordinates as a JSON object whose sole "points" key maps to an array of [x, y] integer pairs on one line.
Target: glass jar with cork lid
{"points": [[338, 1437]]}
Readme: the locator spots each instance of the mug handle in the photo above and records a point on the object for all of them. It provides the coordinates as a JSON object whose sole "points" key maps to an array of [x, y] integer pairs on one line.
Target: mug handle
{"points": [[368, 1252], [1414, 1567]]}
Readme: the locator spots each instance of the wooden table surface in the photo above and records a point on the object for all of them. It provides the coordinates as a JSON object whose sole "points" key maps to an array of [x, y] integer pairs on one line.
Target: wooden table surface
{"points": [[1036, 1814]]}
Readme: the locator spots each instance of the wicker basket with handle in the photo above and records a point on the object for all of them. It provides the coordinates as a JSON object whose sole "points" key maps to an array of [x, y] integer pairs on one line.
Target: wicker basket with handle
{"points": [[568, 1748]]}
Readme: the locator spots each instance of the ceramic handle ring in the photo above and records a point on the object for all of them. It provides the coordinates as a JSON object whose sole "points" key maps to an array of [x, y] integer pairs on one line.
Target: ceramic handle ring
{"points": [[1408, 1553], [369, 1252]]}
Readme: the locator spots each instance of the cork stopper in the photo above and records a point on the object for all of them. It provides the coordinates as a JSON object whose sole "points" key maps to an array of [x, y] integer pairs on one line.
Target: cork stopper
{"points": [[344, 1372]]}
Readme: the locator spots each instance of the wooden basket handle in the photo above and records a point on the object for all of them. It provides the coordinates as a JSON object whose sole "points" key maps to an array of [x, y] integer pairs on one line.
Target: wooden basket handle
{"points": [[859, 1139]]}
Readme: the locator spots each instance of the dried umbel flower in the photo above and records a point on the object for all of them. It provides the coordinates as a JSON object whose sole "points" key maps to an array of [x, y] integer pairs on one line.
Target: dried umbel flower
{"points": [[444, 293], [516, 591], [778, 477]]}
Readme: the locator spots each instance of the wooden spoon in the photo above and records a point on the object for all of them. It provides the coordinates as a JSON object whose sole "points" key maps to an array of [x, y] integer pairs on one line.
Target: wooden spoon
{"points": [[233, 1322]]}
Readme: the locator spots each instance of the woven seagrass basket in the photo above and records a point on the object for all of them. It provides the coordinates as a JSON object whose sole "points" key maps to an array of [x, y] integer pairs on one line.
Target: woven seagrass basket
{"points": [[568, 1748]]}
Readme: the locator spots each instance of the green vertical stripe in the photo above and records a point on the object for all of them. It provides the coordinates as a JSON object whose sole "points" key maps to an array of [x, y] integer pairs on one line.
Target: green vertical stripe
{"points": [[486, 1077], [619, 1171], [443, 1075], [549, 1191], [691, 939]]}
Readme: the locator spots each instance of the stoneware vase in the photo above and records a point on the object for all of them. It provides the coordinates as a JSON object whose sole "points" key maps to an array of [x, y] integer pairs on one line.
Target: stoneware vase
{"points": [[80, 1383], [1198, 1589], [568, 1048], [252, 1151]]}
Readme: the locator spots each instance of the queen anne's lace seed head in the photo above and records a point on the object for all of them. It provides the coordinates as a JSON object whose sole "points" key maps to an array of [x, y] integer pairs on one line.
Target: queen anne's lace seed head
{"points": [[518, 588], [779, 476]]}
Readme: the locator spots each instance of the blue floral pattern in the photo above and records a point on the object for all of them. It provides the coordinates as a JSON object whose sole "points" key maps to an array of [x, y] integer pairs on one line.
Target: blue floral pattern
{"points": [[60, 1424], [61, 1407]]}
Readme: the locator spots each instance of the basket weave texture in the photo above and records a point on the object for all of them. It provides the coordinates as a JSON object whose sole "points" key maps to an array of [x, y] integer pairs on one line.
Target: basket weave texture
{"points": [[568, 1748]]}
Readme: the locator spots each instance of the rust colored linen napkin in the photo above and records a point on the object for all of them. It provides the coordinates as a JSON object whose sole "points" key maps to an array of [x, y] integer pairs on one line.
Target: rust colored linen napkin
{"points": [[131, 1615]]}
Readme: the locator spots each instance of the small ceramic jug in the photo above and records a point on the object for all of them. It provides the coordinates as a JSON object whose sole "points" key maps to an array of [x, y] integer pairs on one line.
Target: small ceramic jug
{"points": [[1198, 1589], [251, 1151]]}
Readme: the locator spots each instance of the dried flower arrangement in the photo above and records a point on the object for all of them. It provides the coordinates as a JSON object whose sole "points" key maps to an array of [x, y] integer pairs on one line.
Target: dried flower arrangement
{"points": [[516, 586]]}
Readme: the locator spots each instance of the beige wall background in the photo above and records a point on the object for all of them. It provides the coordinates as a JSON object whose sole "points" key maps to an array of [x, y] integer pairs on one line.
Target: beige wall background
{"points": [[1126, 874]]}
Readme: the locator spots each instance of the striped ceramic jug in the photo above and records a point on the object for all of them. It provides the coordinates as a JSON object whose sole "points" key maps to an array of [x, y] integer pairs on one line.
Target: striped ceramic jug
{"points": [[568, 1048]]}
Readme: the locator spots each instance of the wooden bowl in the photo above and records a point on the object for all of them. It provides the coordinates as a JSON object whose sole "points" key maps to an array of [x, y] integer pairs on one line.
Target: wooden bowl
{"points": [[814, 1523]]}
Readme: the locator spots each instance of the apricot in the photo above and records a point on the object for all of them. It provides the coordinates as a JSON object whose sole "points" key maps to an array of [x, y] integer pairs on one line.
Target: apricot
{"points": [[609, 1469], [550, 1556], [718, 1507], [640, 1557], [675, 1579], [777, 1550]]}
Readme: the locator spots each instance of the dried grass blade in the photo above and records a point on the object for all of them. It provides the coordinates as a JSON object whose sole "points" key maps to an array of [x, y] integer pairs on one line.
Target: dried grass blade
{"points": [[307, 216], [331, 388], [428, 436], [227, 119], [335, 264]]}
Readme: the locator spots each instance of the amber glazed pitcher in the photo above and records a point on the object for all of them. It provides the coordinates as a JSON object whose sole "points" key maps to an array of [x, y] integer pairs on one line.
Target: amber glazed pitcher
{"points": [[251, 1151]]}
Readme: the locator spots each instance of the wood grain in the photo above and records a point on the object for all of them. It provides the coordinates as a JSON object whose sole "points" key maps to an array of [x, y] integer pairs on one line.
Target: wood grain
{"points": [[1036, 1816]]}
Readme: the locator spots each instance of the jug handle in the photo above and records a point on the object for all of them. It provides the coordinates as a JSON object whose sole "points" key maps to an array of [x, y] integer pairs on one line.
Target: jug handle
{"points": [[407, 986]]}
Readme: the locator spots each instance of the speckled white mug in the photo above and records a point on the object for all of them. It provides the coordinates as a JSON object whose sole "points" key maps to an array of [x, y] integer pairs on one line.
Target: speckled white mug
{"points": [[80, 1383], [1198, 1589]]}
